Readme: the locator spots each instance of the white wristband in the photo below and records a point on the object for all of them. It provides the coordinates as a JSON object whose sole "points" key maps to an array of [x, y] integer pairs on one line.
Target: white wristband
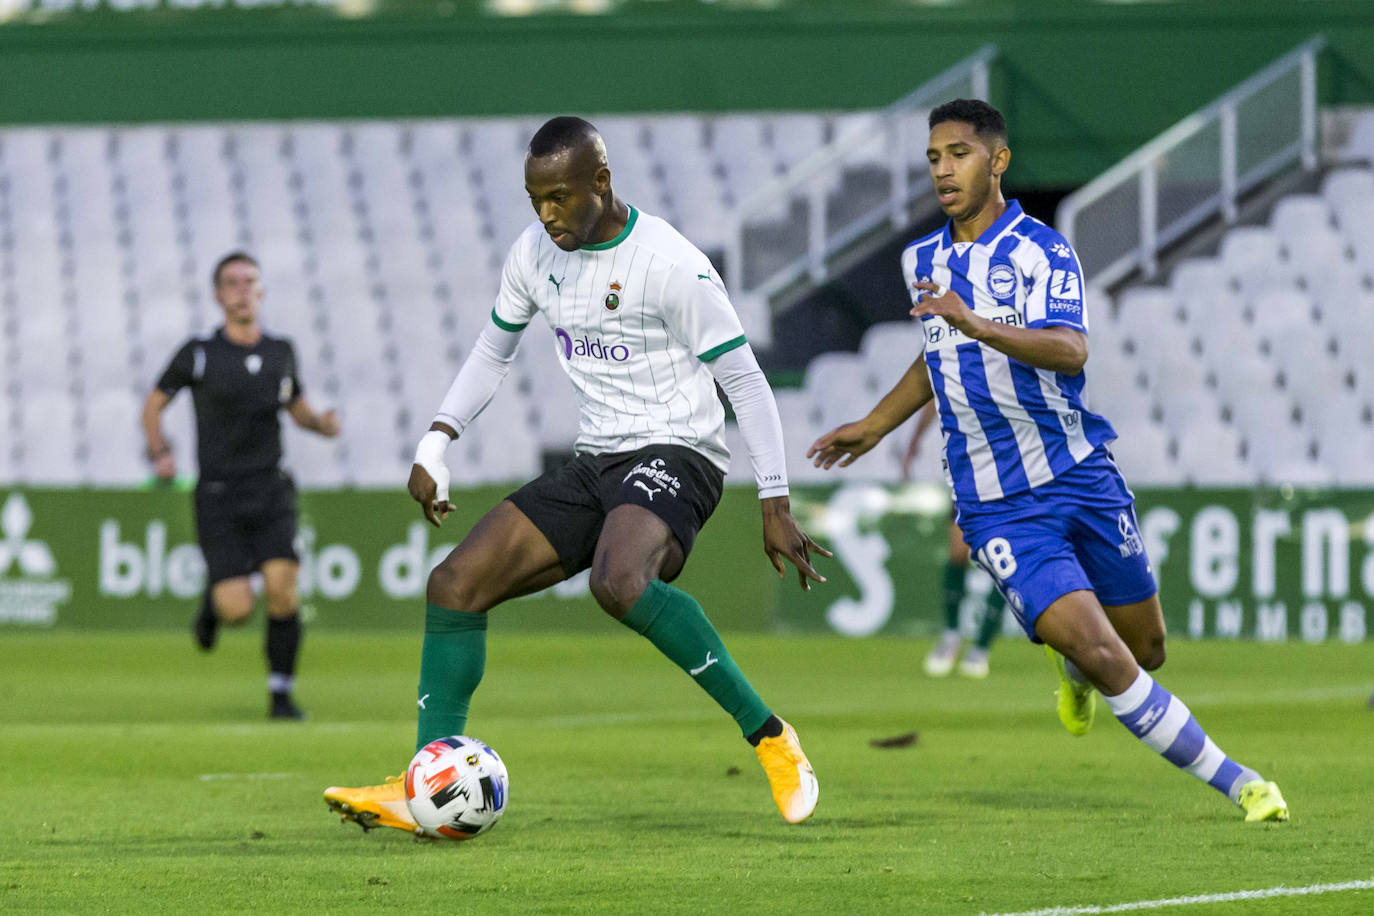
{"points": [[429, 454]]}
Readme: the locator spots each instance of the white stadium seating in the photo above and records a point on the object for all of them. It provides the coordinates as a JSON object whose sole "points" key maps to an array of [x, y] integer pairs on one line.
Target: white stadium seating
{"points": [[382, 243]]}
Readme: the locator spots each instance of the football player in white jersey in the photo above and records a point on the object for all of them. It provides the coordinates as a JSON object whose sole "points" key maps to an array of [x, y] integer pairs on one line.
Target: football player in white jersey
{"points": [[645, 331], [1039, 498]]}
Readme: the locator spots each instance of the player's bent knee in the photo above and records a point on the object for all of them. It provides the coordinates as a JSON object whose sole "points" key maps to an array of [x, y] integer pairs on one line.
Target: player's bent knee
{"points": [[282, 604], [452, 585], [1153, 656], [233, 612], [617, 590]]}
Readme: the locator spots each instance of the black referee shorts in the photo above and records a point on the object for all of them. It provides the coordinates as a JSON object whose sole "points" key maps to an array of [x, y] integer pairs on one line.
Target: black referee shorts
{"points": [[569, 504], [243, 523]]}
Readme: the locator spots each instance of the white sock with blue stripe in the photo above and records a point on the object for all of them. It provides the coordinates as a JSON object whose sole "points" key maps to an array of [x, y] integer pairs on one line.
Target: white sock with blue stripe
{"points": [[1163, 723]]}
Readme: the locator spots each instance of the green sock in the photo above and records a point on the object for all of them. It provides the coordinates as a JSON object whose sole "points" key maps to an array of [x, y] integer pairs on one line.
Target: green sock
{"points": [[451, 665], [954, 594], [672, 620], [992, 619]]}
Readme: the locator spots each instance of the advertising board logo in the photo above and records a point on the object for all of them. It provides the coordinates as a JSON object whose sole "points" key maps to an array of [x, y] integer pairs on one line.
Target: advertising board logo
{"points": [[33, 595], [590, 348]]}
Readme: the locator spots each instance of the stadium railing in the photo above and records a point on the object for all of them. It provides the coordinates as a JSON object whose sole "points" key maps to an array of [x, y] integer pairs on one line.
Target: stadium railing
{"points": [[1199, 168], [804, 194]]}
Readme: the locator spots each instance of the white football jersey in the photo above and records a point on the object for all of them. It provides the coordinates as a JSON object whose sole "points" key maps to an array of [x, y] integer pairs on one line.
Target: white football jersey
{"points": [[636, 320]]}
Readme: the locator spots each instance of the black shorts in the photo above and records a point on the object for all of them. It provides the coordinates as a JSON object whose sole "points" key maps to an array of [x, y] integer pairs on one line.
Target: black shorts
{"points": [[569, 504], [243, 523]]}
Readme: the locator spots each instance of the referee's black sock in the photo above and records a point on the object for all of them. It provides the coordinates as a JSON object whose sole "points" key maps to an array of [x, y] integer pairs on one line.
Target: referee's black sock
{"points": [[283, 644]]}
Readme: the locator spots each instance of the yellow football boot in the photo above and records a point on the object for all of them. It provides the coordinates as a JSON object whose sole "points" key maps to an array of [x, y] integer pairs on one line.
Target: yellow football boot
{"points": [[1262, 801], [789, 775], [373, 806], [1077, 700]]}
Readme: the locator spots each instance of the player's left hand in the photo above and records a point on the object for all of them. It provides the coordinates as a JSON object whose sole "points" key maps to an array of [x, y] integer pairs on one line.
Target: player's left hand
{"points": [[943, 303], [783, 537], [329, 424]]}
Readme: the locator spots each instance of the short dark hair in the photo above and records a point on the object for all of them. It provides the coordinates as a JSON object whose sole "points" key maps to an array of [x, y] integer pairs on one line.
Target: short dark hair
{"points": [[563, 132], [987, 122], [231, 258]]}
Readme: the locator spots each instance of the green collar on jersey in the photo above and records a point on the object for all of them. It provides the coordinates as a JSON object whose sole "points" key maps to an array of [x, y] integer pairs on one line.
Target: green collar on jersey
{"points": [[624, 233]]}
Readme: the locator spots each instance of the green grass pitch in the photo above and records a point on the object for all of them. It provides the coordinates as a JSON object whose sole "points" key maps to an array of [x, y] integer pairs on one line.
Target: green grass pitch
{"points": [[139, 776]]}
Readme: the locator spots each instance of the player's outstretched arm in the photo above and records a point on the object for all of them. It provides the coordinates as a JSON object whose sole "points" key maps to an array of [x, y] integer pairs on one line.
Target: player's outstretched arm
{"points": [[159, 450], [783, 538], [326, 424], [845, 444], [429, 477]]}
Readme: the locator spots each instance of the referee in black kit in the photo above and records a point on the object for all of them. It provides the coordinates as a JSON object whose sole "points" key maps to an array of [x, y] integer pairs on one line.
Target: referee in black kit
{"points": [[245, 503]]}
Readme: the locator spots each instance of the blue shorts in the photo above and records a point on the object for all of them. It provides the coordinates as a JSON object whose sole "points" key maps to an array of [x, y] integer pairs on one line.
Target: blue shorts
{"points": [[1076, 532]]}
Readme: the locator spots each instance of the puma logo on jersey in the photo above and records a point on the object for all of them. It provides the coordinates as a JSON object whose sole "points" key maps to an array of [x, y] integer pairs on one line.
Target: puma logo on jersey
{"points": [[710, 660], [421, 702], [557, 284], [705, 276]]}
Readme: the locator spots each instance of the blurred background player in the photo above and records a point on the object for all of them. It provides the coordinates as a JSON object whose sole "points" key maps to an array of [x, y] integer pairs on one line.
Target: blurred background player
{"points": [[245, 504], [940, 660], [646, 330], [1039, 497]]}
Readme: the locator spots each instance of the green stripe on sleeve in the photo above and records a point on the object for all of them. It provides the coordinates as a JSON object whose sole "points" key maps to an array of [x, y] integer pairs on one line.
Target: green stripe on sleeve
{"points": [[506, 325], [722, 349]]}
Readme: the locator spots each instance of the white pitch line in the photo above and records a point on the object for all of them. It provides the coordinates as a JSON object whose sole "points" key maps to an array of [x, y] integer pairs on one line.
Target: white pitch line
{"points": [[1280, 891], [217, 777]]}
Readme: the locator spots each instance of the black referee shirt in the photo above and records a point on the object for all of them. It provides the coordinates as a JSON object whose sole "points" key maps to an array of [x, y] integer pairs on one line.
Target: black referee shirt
{"points": [[237, 392]]}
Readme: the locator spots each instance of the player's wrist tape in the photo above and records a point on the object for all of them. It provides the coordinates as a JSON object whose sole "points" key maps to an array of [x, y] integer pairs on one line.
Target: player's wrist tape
{"points": [[429, 454]]}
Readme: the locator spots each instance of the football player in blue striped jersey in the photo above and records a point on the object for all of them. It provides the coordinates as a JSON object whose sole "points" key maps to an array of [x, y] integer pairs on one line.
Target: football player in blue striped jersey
{"points": [[1038, 496]]}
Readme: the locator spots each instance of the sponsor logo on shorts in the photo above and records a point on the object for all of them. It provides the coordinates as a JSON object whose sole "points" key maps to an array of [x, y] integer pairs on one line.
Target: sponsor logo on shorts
{"points": [[1131, 544], [653, 478], [590, 348]]}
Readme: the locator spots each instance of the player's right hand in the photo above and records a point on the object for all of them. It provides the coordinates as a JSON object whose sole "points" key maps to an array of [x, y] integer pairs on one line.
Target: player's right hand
{"points": [[165, 466], [843, 444], [431, 494]]}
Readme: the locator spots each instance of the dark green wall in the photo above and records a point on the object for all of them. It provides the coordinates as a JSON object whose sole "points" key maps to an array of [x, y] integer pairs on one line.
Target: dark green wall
{"points": [[1082, 84]]}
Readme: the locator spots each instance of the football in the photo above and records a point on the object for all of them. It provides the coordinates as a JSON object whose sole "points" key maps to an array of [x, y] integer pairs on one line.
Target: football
{"points": [[456, 788]]}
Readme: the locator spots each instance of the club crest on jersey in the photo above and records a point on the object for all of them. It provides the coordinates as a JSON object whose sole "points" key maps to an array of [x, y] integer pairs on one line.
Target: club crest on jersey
{"points": [[253, 363], [613, 297], [1001, 280]]}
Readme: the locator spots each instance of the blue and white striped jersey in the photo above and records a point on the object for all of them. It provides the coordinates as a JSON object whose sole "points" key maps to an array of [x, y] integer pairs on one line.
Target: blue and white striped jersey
{"points": [[1007, 426]]}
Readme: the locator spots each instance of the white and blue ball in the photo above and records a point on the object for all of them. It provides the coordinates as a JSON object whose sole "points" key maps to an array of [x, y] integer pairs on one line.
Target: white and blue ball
{"points": [[456, 788]]}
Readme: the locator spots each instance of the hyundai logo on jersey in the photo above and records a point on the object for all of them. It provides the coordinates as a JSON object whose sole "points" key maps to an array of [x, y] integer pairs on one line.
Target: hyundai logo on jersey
{"points": [[593, 349]]}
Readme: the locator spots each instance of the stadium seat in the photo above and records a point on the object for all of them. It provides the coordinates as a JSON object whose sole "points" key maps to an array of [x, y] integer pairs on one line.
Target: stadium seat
{"points": [[1347, 191], [52, 446], [1347, 456], [1250, 257], [795, 136], [1209, 453], [1144, 456], [314, 461], [833, 372], [889, 348], [114, 439]]}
